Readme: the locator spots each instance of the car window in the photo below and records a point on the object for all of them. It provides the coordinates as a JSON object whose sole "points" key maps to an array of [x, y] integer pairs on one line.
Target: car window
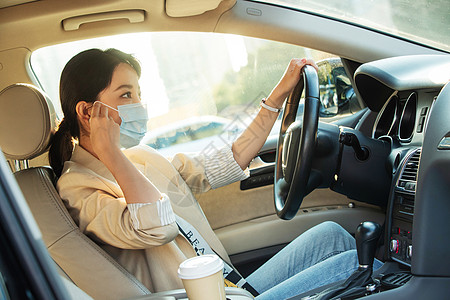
{"points": [[202, 89], [391, 16]]}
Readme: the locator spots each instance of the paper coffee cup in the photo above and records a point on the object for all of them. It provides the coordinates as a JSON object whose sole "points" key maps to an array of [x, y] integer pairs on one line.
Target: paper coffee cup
{"points": [[203, 278]]}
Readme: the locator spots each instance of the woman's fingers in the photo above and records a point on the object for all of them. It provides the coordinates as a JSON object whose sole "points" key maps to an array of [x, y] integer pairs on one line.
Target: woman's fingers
{"points": [[103, 110], [310, 62], [95, 109], [104, 130], [290, 78], [297, 64], [100, 110]]}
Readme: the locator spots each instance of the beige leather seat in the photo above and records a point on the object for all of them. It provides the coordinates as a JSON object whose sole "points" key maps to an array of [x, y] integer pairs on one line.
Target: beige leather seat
{"points": [[26, 126]]}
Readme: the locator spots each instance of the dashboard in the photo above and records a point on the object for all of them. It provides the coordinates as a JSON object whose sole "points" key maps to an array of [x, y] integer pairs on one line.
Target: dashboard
{"points": [[403, 91]]}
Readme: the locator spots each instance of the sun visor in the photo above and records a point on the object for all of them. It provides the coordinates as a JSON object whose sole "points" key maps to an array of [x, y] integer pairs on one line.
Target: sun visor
{"points": [[188, 8]]}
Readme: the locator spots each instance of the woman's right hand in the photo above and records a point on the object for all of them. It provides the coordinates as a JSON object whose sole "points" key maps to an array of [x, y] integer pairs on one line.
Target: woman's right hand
{"points": [[105, 132], [105, 142]]}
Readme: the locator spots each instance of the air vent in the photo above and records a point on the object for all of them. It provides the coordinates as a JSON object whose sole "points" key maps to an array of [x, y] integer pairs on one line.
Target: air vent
{"points": [[408, 179], [411, 167]]}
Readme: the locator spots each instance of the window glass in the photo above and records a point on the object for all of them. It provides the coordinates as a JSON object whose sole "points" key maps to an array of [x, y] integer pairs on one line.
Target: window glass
{"points": [[423, 21], [202, 89]]}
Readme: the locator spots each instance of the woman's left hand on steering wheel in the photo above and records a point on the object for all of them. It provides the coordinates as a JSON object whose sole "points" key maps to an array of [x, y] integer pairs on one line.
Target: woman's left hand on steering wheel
{"points": [[288, 81]]}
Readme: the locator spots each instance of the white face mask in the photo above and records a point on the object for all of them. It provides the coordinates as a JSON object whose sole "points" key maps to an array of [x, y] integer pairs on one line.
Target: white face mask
{"points": [[134, 123]]}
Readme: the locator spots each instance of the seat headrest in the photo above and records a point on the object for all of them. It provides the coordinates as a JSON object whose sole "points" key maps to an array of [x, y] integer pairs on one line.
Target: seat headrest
{"points": [[27, 121]]}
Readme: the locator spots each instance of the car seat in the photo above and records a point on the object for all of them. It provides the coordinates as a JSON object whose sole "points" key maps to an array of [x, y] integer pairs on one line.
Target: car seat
{"points": [[27, 122]]}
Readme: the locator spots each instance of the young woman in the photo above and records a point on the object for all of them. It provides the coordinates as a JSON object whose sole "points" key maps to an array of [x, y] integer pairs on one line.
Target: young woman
{"points": [[140, 207]]}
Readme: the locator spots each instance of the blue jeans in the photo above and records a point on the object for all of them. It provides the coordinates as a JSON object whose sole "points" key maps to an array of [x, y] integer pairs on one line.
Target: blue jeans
{"points": [[324, 254]]}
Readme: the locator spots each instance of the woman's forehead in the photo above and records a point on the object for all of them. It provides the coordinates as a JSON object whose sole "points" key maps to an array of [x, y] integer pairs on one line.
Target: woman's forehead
{"points": [[124, 75]]}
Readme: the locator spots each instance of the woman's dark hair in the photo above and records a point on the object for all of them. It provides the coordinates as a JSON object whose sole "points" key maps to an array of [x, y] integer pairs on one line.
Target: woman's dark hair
{"points": [[82, 79]]}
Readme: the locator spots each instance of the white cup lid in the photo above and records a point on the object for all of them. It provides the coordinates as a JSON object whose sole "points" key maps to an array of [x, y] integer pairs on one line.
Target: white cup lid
{"points": [[200, 266]]}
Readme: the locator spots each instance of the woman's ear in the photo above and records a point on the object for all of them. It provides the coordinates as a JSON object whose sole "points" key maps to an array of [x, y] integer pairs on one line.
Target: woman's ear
{"points": [[83, 110]]}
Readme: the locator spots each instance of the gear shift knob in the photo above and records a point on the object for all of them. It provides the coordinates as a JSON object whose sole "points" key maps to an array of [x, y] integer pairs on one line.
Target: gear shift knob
{"points": [[367, 235]]}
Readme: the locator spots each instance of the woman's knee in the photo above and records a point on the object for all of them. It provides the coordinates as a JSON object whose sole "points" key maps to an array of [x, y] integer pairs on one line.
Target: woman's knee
{"points": [[332, 227], [335, 231], [328, 233]]}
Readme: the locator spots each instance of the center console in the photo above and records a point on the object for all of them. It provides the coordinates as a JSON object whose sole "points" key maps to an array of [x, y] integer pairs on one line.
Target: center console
{"points": [[401, 229], [395, 272]]}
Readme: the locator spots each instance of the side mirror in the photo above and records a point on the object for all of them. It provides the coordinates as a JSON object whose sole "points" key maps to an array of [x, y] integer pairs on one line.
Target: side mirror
{"points": [[335, 87]]}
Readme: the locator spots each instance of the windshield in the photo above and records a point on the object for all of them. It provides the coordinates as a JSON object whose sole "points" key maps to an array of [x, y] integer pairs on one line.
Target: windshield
{"points": [[423, 21]]}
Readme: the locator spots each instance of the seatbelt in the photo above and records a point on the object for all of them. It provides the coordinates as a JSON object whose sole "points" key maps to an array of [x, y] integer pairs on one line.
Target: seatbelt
{"points": [[201, 247]]}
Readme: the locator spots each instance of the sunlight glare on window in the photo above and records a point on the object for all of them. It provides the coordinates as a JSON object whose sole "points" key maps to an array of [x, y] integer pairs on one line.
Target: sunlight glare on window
{"points": [[49, 62], [237, 51]]}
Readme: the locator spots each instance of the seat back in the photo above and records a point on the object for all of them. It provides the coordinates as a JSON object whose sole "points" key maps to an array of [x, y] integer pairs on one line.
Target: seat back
{"points": [[26, 126]]}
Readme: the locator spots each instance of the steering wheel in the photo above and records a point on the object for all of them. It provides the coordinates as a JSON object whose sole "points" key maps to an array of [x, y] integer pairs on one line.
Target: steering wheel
{"points": [[296, 144]]}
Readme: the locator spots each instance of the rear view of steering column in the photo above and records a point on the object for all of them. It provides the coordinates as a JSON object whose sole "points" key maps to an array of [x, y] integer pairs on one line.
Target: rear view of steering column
{"points": [[358, 154]]}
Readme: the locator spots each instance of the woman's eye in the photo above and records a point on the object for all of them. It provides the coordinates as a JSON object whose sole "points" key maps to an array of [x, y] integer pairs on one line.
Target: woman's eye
{"points": [[127, 95]]}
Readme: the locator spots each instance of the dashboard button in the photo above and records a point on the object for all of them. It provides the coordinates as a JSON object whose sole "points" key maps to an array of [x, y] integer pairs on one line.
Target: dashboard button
{"points": [[423, 112], [419, 128], [422, 120], [394, 246], [409, 252], [409, 186]]}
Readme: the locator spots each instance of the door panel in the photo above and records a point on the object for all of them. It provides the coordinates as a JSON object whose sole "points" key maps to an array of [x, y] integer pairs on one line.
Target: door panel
{"points": [[247, 225], [246, 220], [271, 231]]}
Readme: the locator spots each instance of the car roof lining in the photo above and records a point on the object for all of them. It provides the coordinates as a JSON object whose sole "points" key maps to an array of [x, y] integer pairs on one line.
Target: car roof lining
{"points": [[44, 19], [9, 3]]}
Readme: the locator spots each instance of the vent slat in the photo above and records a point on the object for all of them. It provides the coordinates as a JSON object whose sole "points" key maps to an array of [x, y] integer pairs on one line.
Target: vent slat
{"points": [[411, 167]]}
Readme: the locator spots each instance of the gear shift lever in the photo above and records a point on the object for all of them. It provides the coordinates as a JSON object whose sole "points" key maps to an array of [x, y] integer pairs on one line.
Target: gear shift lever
{"points": [[367, 235]]}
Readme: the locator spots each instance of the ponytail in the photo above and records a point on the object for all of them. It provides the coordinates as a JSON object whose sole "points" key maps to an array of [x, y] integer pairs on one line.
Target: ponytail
{"points": [[61, 147]]}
